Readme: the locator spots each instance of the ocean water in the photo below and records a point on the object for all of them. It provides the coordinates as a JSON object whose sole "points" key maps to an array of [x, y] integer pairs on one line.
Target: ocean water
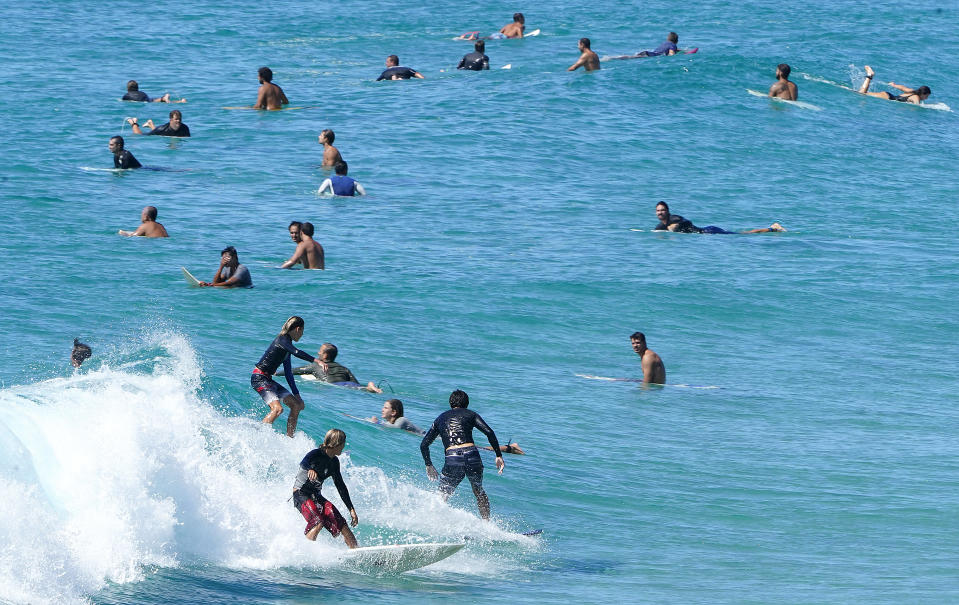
{"points": [[505, 248]]}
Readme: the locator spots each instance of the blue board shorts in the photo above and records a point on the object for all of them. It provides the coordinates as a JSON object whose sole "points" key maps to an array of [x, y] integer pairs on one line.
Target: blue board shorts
{"points": [[461, 462]]}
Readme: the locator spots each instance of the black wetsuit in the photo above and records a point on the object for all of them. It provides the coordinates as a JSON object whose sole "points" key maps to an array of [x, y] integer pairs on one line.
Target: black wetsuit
{"points": [[474, 61], [456, 426], [278, 353], [137, 95], [685, 226], [403, 73], [324, 466], [167, 131], [334, 373], [125, 159]]}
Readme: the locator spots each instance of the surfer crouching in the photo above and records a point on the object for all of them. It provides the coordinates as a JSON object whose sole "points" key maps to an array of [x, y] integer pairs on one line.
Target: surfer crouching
{"points": [[317, 510]]}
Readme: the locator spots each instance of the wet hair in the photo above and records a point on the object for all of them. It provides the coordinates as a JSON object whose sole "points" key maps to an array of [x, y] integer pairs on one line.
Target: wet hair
{"points": [[584, 42], [459, 399], [231, 250], [330, 137], [307, 229], [923, 90], [117, 138], [330, 350], [637, 336], [291, 324], [393, 59], [480, 46], [673, 37], [132, 86], [296, 224], [176, 112], [341, 168], [334, 439], [151, 212], [265, 73], [396, 405], [519, 17], [82, 352], [784, 69], [664, 205]]}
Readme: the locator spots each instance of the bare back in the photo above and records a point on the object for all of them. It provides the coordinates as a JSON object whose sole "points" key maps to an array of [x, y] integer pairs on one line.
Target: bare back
{"points": [[513, 30], [270, 97], [313, 257], [654, 371], [151, 229], [784, 89], [589, 60], [331, 155]]}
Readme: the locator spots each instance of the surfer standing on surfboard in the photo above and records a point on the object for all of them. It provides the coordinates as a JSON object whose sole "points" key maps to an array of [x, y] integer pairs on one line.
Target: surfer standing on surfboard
{"points": [[654, 372], [455, 426], [783, 88], [317, 510], [270, 95]]}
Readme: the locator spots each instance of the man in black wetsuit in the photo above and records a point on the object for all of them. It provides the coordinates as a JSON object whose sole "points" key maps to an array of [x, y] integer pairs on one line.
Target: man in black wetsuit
{"points": [[676, 223], [135, 94], [394, 71], [476, 60], [333, 372], [174, 128], [317, 510], [121, 157], [455, 427]]}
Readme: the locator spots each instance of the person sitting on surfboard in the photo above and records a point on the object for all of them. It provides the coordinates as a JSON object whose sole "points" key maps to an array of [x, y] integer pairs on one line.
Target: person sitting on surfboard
{"points": [[654, 372], [587, 59], [174, 128], [230, 273], [327, 370], [149, 227], [394, 71], [270, 95], [455, 426], [783, 88], [121, 157], [676, 223], [516, 29], [476, 60], [319, 512], [340, 184], [912, 95], [308, 251]]}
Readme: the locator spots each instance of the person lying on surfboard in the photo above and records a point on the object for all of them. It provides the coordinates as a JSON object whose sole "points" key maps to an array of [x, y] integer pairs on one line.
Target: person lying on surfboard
{"points": [[327, 370], [667, 48], [516, 29], [270, 95], [149, 227], [912, 95], [783, 88], [319, 512], [678, 224]]}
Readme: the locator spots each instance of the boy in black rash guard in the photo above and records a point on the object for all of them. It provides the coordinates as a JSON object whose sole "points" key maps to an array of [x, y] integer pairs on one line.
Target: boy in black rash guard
{"points": [[317, 510], [121, 157], [393, 71], [476, 60], [272, 393], [455, 427]]}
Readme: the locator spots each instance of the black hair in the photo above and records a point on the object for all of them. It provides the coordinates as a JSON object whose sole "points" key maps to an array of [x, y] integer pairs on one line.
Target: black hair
{"points": [[480, 46], [341, 168], [784, 69], [231, 250], [397, 406], [117, 137], [637, 336], [81, 352], [266, 74], [664, 205], [923, 90], [459, 399], [519, 17], [330, 350], [177, 113], [297, 224], [330, 137], [307, 229], [132, 86], [151, 212], [673, 37], [584, 42], [393, 59]]}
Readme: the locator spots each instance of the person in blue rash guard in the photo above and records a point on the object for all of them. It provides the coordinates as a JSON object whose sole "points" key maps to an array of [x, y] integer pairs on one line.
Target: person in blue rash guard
{"points": [[319, 512], [340, 184], [262, 382], [455, 426], [678, 224]]}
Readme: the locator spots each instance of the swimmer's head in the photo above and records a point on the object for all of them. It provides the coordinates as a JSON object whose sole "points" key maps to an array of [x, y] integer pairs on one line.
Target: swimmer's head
{"points": [[230, 256], [638, 340], [176, 118], [80, 353], [662, 211], [392, 61], [334, 442], [149, 213], [266, 74], [327, 136], [294, 229], [116, 144], [307, 229], [673, 37], [392, 407], [341, 168], [293, 327], [459, 399], [782, 70], [327, 352], [519, 18], [480, 46], [584, 43], [923, 92], [132, 86]]}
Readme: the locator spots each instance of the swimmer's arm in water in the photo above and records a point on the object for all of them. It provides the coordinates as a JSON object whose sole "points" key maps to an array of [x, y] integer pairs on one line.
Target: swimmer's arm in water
{"points": [[298, 256], [359, 188], [579, 63], [140, 232], [327, 184]]}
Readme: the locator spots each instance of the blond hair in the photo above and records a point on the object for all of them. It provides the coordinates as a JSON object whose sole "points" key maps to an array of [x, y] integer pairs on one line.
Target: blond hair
{"points": [[334, 439], [291, 324]]}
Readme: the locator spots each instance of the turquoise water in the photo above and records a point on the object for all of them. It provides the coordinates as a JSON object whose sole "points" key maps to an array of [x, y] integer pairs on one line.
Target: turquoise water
{"points": [[504, 248]]}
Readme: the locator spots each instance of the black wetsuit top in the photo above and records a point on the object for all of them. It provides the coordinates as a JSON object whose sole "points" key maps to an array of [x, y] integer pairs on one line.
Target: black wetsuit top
{"points": [[278, 353], [474, 61], [125, 159], [685, 226], [167, 131], [334, 372], [456, 426], [403, 73], [136, 95], [324, 466]]}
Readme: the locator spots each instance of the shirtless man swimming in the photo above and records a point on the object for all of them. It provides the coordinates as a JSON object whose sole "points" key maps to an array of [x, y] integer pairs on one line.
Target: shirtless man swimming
{"points": [[149, 227], [914, 96], [588, 59], [270, 95], [783, 88], [654, 372], [331, 155], [308, 251]]}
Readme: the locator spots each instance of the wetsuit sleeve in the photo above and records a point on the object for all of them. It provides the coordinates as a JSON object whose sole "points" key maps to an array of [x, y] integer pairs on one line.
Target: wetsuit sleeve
{"points": [[382, 76], [485, 62], [429, 438], [340, 485], [481, 425], [288, 372], [301, 478], [303, 370], [462, 63]]}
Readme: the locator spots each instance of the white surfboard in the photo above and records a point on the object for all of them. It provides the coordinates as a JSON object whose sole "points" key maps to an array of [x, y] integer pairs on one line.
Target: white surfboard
{"points": [[189, 277], [535, 32], [397, 558], [802, 104]]}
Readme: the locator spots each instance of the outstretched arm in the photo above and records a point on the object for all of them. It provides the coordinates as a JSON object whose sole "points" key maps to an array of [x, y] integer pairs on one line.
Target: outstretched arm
{"points": [[417, 74], [324, 186], [578, 64]]}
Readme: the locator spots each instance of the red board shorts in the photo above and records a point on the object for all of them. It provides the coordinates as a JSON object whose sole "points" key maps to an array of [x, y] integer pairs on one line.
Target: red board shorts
{"points": [[316, 513]]}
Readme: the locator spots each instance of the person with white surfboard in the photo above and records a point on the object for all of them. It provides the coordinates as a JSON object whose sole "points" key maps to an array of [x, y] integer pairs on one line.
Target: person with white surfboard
{"points": [[455, 426], [654, 372], [783, 88], [476, 60], [319, 512]]}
